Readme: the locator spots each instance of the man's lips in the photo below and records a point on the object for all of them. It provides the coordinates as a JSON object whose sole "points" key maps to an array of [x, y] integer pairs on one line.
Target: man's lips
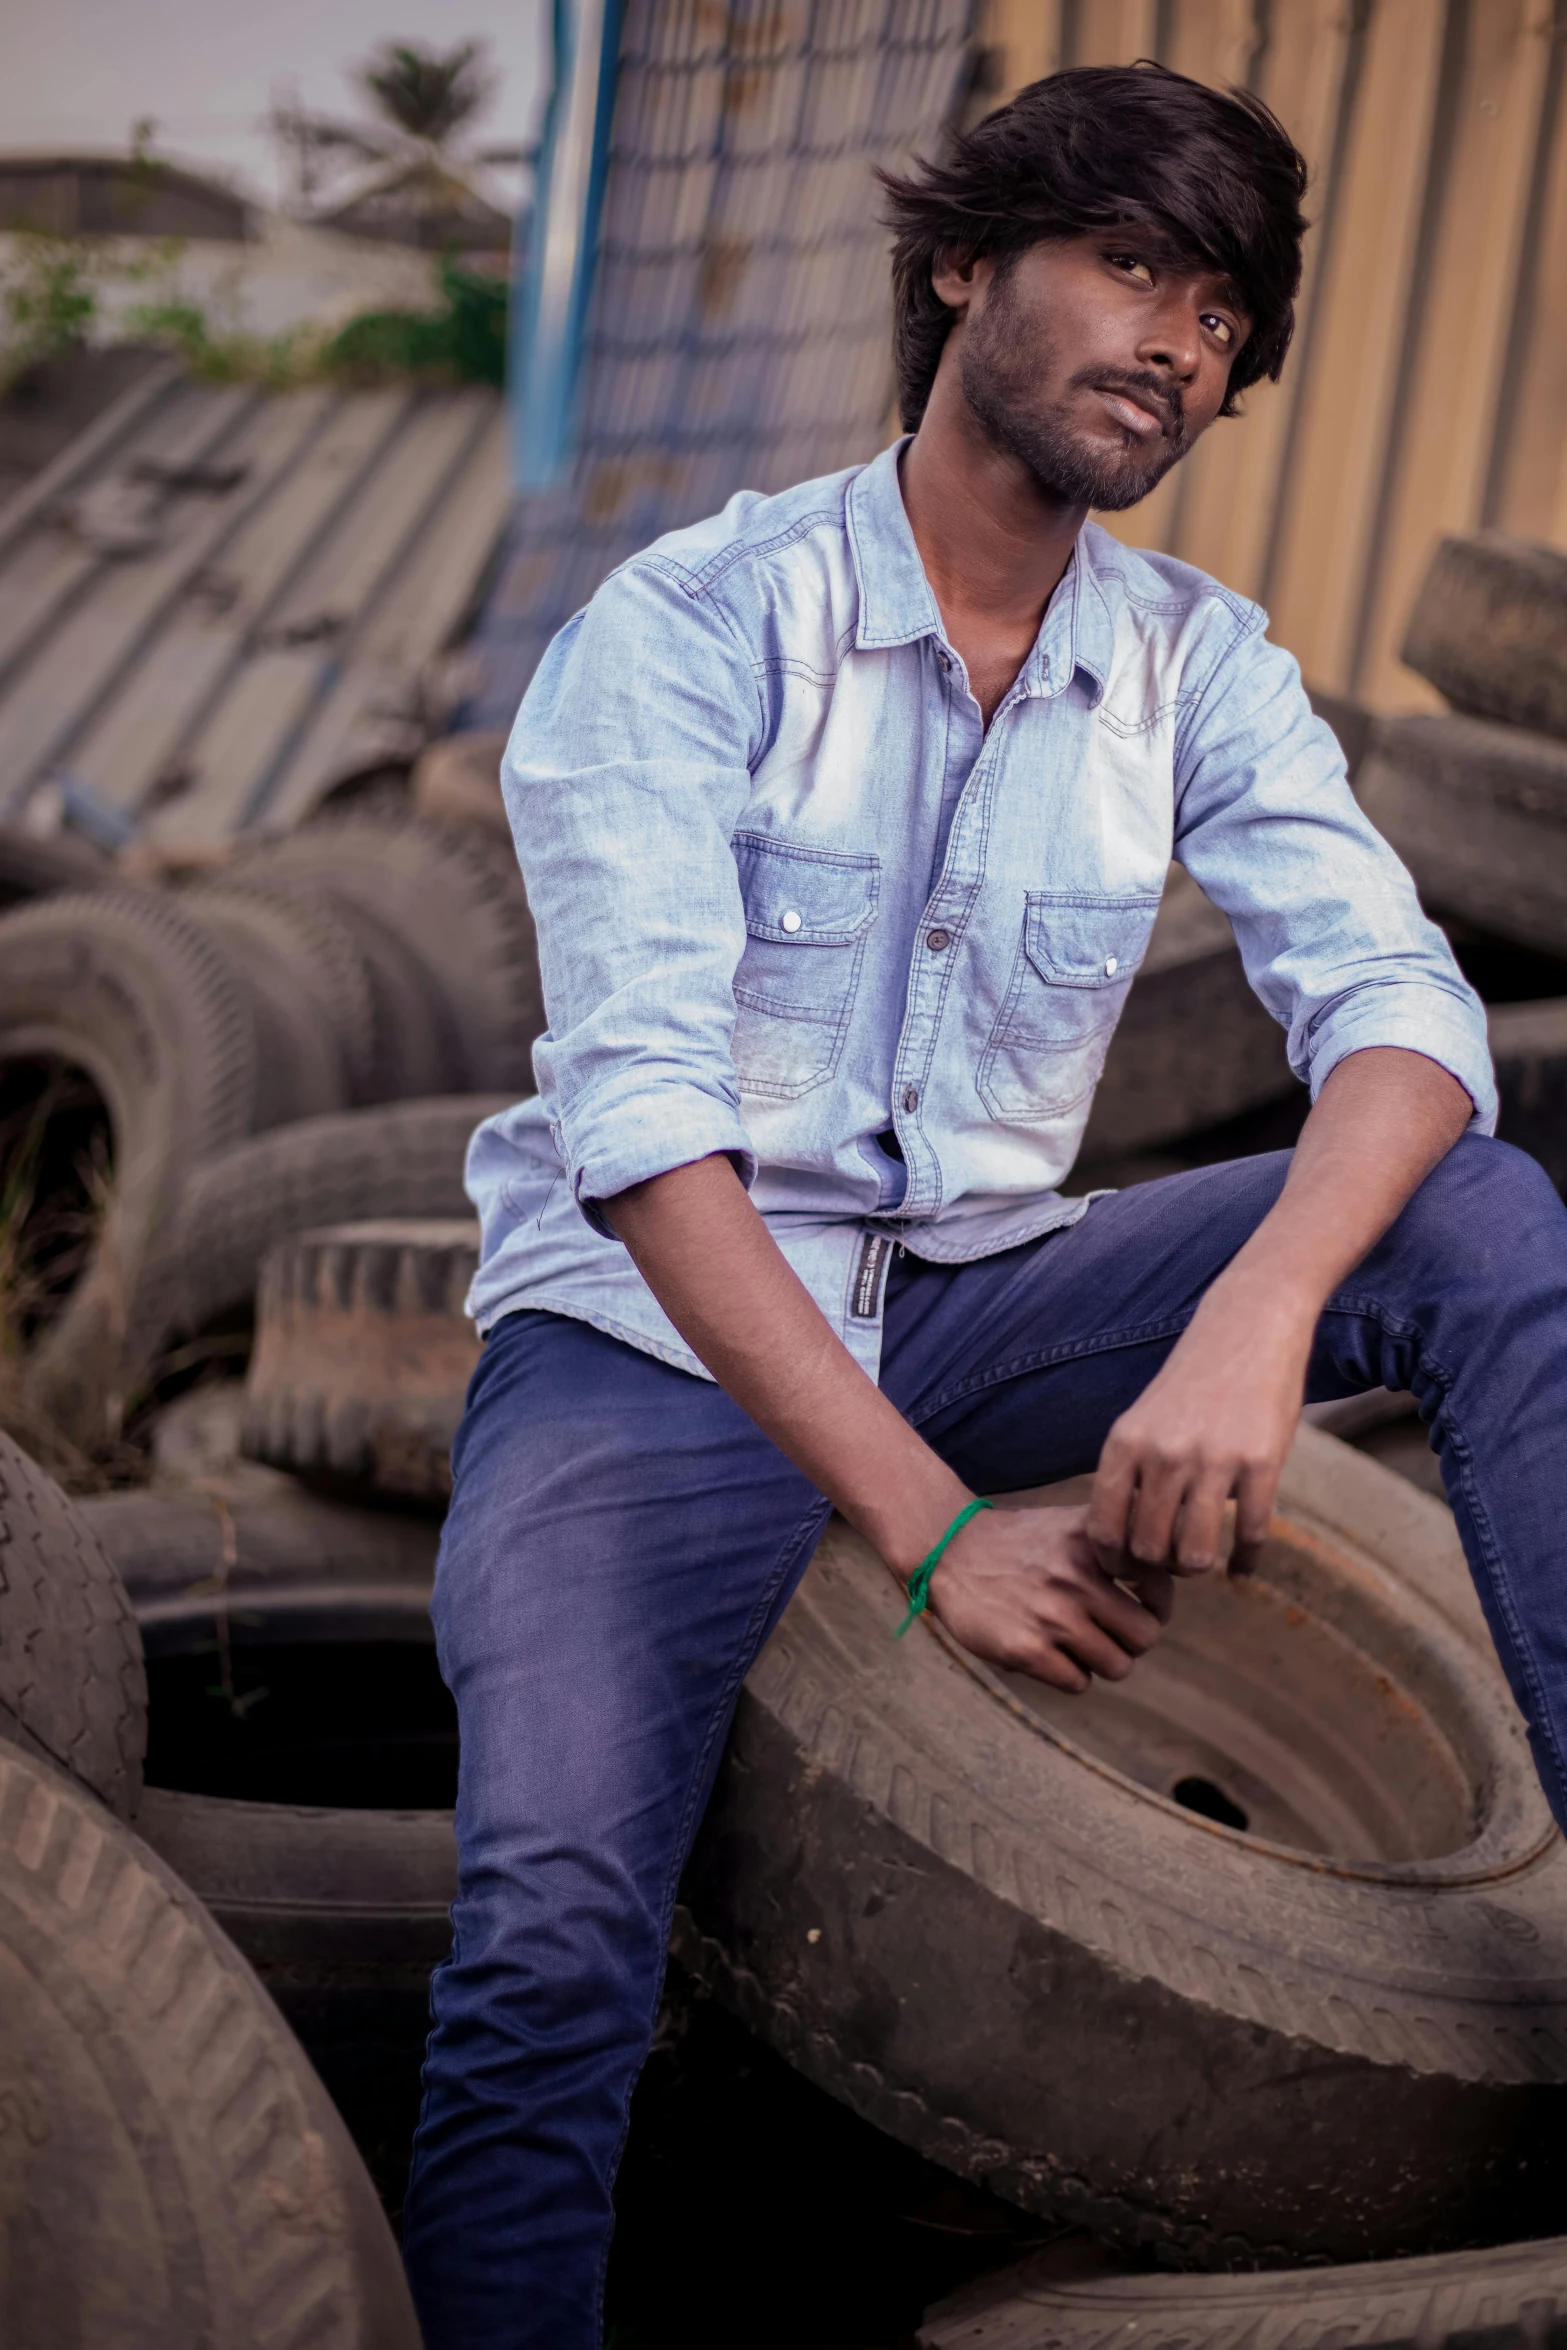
{"points": [[1143, 419]]}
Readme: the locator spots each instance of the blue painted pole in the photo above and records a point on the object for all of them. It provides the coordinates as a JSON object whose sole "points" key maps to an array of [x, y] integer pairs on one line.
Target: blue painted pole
{"points": [[549, 317]]}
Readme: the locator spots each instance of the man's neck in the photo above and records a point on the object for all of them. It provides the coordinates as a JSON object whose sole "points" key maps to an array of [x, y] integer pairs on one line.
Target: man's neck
{"points": [[993, 544]]}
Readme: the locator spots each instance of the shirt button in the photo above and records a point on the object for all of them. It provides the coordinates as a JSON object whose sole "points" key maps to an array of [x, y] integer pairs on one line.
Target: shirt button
{"points": [[938, 939], [945, 659], [1111, 964], [911, 1097], [790, 922]]}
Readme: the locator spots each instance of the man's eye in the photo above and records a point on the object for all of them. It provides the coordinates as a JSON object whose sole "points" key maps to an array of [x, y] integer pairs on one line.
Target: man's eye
{"points": [[1219, 326], [1133, 267]]}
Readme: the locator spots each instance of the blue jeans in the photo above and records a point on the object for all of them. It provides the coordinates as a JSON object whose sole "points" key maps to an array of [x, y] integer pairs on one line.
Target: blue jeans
{"points": [[622, 1539]]}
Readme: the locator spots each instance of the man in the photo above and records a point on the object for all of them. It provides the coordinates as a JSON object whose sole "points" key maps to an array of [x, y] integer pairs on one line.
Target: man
{"points": [[845, 818]]}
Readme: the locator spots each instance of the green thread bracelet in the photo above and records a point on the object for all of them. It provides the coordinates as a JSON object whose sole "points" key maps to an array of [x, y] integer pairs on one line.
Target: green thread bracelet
{"points": [[919, 1581]]}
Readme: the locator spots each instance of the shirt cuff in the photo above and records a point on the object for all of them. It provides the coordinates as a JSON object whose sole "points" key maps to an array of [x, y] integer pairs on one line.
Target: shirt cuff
{"points": [[639, 1137], [1419, 1020]]}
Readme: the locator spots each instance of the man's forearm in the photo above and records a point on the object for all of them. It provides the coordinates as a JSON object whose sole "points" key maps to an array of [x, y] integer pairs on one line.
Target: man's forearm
{"points": [[1383, 1120], [719, 1275]]}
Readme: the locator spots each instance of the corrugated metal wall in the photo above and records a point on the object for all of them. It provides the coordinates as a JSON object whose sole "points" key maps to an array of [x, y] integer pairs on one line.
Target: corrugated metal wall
{"points": [[1427, 391], [739, 334]]}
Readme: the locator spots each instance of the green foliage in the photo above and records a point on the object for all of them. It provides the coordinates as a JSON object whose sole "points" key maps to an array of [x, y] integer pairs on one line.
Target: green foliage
{"points": [[462, 342], [50, 297], [425, 94], [214, 355]]}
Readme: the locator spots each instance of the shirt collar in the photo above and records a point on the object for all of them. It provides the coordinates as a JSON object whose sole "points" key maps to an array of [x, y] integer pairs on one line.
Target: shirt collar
{"points": [[897, 606]]}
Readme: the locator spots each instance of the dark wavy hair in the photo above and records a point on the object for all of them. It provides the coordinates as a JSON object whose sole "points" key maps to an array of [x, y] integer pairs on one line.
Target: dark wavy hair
{"points": [[1211, 173]]}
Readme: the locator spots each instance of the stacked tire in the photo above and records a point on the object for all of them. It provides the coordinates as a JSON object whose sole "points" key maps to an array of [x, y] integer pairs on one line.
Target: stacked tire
{"points": [[1476, 802], [146, 1031], [172, 2174]]}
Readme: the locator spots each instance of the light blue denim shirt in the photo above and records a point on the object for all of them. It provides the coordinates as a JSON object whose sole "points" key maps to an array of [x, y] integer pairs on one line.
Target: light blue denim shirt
{"points": [[791, 893]]}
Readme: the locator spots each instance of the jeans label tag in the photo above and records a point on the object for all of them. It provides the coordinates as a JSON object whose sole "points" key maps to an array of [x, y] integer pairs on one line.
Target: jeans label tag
{"points": [[867, 1279]]}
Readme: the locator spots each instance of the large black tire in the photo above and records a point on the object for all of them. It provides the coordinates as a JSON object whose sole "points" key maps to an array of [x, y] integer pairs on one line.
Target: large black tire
{"points": [[292, 967], [1489, 629], [342, 1909], [1194, 1045], [363, 1354], [72, 1686], [34, 868], [172, 2174], [292, 1563], [1478, 812], [1513, 2298], [404, 1159], [329, 1903], [458, 906], [332, 1907], [457, 781], [1025, 1935], [408, 1053], [125, 987], [298, 925]]}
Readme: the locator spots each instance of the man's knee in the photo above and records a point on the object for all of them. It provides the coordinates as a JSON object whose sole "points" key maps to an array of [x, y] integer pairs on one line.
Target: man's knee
{"points": [[1486, 1201]]}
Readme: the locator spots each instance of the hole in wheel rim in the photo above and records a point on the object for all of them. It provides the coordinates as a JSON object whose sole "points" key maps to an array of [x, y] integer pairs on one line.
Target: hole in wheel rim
{"points": [[1210, 1802]]}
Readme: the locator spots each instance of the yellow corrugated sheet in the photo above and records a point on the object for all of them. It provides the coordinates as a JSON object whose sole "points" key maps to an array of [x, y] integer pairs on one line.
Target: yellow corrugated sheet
{"points": [[1427, 391]]}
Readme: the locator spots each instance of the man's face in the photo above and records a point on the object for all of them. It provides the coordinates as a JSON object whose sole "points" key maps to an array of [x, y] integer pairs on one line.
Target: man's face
{"points": [[1095, 361]]}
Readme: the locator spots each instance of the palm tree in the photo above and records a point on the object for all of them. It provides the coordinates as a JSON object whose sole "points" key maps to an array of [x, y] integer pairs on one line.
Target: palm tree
{"points": [[427, 96]]}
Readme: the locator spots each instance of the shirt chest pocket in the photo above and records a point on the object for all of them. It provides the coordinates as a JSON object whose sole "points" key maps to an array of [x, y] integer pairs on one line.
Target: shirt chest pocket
{"points": [[1074, 965], [808, 913]]}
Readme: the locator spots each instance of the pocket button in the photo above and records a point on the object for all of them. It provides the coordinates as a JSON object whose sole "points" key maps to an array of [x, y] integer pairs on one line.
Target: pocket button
{"points": [[790, 922], [1112, 965]]}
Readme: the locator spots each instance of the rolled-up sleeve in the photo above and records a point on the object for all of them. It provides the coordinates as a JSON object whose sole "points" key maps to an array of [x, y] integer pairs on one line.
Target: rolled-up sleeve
{"points": [[1327, 920], [625, 775]]}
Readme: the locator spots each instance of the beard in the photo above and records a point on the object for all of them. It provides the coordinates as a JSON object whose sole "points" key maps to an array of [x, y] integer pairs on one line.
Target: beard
{"points": [[1004, 359]]}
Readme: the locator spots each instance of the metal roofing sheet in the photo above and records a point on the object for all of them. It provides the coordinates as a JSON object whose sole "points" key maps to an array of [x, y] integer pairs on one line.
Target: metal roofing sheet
{"points": [[740, 328], [217, 603]]}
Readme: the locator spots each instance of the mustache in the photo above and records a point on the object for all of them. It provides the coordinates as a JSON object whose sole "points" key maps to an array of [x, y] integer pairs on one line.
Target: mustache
{"points": [[1148, 390]]}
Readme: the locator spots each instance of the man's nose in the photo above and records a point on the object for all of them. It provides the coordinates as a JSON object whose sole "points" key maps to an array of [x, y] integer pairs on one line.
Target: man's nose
{"points": [[1172, 343]]}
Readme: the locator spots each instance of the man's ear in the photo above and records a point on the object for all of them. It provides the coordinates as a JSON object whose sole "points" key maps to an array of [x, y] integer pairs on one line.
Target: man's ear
{"points": [[957, 277]]}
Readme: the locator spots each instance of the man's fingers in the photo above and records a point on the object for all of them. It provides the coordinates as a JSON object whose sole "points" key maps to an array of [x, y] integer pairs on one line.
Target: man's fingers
{"points": [[1199, 1531], [1258, 1489], [1126, 1619], [1155, 1587], [1161, 1490], [1044, 1661], [1110, 1503], [1095, 1650]]}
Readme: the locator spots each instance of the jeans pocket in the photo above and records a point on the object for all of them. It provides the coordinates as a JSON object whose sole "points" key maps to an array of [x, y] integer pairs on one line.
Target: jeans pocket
{"points": [[808, 913], [1075, 963]]}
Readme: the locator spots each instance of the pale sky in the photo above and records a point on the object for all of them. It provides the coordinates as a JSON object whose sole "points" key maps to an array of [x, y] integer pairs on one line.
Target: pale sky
{"points": [[78, 73]]}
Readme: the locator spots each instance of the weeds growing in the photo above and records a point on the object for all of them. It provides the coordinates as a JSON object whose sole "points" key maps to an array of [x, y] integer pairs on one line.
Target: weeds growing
{"points": [[53, 293]]}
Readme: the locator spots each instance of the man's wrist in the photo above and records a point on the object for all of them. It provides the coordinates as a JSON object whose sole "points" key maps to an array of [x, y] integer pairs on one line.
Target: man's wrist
{"points": [[1274, 1288], [906, 1533]]}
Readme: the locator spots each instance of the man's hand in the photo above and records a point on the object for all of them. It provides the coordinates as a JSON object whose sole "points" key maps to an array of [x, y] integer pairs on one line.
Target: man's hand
{"points": [[1212, 1427], [1215, 1424], [1022, 1588]]}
